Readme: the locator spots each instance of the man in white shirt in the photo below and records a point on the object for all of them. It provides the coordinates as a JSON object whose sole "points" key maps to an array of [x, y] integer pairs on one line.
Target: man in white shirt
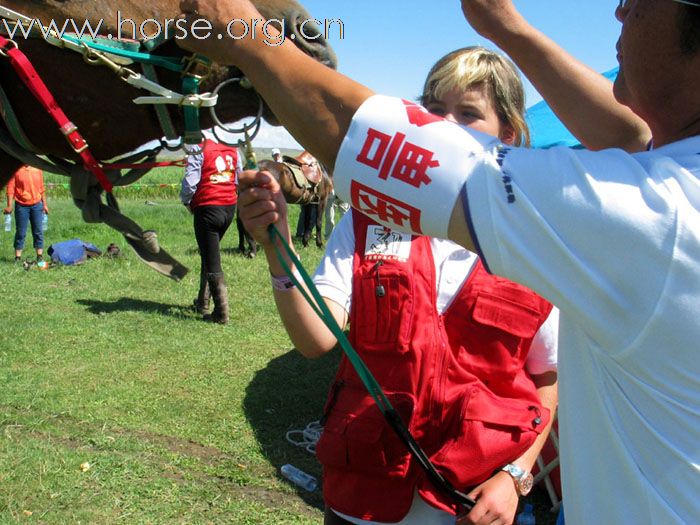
{"points": [[612, 239]]}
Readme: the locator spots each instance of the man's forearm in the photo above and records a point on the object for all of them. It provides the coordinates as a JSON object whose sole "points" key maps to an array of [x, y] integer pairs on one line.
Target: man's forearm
{"points": [[582, 98], [314, 102]]}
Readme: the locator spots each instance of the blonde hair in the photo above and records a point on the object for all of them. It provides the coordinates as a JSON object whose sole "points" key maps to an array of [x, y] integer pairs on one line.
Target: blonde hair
{"points": [[477, 66]]}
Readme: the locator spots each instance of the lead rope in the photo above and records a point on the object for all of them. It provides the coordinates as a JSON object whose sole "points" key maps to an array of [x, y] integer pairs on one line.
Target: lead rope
{"points": [[314, 299]]}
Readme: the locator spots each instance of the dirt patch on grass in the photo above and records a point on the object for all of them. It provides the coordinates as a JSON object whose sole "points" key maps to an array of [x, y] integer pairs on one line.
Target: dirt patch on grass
{"points": [[214, 467]]}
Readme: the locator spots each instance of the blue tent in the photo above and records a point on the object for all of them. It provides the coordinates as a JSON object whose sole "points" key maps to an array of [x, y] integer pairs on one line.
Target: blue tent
{"points": [[546, 129]]}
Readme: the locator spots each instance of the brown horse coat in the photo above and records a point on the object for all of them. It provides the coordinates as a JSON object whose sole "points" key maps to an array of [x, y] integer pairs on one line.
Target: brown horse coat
{"points": [[101, 105]]}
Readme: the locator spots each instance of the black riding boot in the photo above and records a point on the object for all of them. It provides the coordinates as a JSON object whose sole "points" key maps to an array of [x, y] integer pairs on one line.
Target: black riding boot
{"points": [[201, 303], [220, 296]]}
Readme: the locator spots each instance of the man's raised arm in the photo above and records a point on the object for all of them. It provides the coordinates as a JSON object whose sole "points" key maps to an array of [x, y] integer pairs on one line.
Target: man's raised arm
{"points": [[582, 98]]}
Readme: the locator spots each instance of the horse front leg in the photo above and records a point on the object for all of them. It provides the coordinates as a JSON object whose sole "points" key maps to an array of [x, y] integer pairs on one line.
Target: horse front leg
{"points": [[244, 237], [306, 228], [320, 210]]}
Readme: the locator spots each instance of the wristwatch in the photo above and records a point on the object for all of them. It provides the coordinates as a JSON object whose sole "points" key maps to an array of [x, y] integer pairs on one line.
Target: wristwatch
{"points": [[522, 478]]}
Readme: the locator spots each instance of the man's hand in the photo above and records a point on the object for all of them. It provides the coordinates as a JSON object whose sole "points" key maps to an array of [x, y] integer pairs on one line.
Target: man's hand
{"points": [[219, 46], [496, 501], [492, 19], [7, 210], [261, 203]]}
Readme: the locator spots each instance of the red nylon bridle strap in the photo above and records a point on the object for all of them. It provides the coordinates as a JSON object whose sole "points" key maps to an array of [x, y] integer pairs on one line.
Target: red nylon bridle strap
{"points": [[164, 164], [32, 80]]}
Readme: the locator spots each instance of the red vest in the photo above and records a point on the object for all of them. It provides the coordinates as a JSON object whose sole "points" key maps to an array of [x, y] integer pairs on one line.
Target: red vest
{"points": [[456, 379], [218, 185]]}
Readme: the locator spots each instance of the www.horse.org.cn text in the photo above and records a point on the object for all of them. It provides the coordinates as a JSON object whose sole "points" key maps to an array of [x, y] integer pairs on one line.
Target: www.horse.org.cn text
{"points": [[178, 29]]}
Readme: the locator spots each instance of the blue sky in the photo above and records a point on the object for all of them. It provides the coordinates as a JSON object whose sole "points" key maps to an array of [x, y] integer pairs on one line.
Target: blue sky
{"points": [[389, 45]]}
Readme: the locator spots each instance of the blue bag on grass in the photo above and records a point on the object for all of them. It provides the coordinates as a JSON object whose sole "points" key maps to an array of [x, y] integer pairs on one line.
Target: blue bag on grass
{"points": [[72, 252]]}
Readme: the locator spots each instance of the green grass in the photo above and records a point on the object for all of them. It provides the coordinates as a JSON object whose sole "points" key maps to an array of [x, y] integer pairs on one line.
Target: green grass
{"points": [[181, 421]]}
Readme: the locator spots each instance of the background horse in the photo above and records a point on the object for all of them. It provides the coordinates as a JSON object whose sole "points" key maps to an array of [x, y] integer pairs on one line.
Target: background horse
{"points": [[100, 104], [304, 181]]}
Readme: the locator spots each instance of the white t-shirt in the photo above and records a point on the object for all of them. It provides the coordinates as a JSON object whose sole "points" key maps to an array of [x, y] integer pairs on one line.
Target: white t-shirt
{"points": [[614, 241]]}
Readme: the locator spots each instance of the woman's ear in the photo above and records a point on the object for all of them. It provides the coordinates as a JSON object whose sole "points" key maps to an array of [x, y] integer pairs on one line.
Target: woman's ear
{"points": [[507, 135]]}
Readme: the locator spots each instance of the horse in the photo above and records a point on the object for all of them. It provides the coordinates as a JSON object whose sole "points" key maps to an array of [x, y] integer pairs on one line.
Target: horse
{"points": [[245, 239], [100, 104], [303, 180]]}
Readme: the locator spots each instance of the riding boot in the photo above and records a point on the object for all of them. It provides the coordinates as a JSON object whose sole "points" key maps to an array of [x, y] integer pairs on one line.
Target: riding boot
{"points": [[220, 296], [201, 303]]}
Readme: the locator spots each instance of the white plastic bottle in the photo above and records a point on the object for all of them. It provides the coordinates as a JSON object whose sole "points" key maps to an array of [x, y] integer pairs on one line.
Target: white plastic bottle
{"points": [[8, 222], [45, 222], [299, 477]]}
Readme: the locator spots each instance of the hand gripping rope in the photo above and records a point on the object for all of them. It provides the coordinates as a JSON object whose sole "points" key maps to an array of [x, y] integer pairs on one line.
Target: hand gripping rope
{"points": [[462, 501]]}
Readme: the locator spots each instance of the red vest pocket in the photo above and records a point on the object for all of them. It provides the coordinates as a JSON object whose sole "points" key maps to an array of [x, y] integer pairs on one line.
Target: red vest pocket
{"points": [[357, 438], [384, 323], [500, 334], [492, 432], [507, 315]]}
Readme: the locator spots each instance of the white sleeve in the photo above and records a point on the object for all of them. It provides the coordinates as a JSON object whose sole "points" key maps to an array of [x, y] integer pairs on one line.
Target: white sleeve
{"points": [[404, 167], [545, 345], [193, 174], [333, 277]]}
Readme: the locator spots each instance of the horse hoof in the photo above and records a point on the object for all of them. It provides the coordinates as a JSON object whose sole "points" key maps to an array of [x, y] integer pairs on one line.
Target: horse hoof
{"points": [[251, 255]]}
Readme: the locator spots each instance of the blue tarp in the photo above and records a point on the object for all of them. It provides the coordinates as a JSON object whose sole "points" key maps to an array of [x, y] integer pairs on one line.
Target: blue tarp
{"points": [[546, 129]]}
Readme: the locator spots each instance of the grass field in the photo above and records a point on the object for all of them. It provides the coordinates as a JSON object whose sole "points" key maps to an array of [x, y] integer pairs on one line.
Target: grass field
{"points": [[180, 421]]}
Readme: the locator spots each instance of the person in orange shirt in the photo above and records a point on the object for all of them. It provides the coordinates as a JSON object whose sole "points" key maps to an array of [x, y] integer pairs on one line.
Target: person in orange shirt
{"points": [[26, 189]]}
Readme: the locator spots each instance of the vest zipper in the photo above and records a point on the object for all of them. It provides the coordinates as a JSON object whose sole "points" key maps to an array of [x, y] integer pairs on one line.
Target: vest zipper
{"points": [[439, 389]]}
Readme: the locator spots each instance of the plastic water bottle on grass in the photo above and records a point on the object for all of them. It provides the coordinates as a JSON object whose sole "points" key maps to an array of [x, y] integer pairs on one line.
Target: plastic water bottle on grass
{"points": [[8, 222], [526, 517], [299, 477]]}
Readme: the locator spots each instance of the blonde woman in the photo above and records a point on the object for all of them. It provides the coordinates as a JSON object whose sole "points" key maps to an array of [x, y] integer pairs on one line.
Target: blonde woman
{"points": [[469, 358]]}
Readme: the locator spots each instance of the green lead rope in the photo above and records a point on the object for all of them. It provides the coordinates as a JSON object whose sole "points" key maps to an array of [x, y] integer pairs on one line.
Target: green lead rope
{"points": [[193, 132], [392, 417]]}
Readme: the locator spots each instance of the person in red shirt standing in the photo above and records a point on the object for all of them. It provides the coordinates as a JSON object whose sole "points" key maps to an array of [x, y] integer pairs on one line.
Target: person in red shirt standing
{"points": [[209, 191], [26, 189]]}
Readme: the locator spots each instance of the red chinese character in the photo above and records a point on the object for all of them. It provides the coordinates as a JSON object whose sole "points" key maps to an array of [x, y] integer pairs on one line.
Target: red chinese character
{"points": [[413, 164], [385, 208], [410, 162], [391, 155], [374, 136], [419, 116]]}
